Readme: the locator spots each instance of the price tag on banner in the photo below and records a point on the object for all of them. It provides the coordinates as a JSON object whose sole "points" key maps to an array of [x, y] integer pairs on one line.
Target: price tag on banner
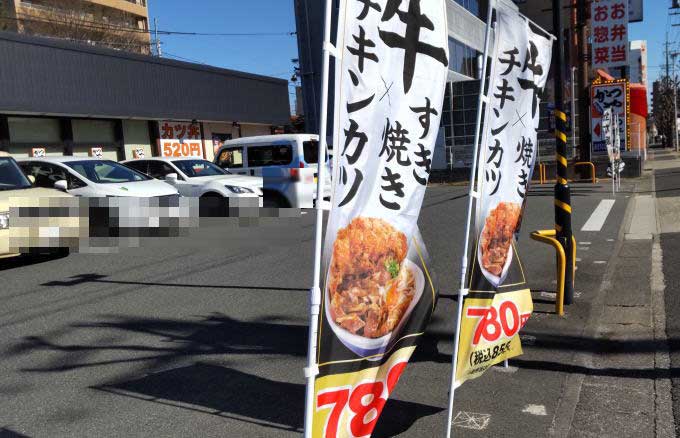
{"points": [[489, 332]]}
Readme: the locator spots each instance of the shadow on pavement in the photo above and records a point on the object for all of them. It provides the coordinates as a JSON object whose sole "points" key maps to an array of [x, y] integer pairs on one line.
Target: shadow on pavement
{"points": [[632, 373], [233, 394], [6, 433], [215, 335], [98, 278], [30, 260]]}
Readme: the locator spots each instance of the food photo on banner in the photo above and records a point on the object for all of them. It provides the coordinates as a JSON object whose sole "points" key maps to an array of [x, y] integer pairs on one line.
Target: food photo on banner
{"points": [[378, 290], [498, 302]]}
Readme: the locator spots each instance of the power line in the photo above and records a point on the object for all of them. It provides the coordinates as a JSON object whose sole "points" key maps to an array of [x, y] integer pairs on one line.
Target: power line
{"points": [[99, 26]]}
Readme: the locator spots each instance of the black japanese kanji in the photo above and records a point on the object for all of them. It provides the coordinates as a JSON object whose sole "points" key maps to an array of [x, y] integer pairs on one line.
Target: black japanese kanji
{"points": [[350, 135], [415, 21], [525, 151], [530, 61], [394, 143]]}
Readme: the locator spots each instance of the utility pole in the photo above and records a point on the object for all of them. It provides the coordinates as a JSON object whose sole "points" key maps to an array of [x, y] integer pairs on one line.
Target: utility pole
{"points": [[583, 80], [159, 52], [562, 190]]}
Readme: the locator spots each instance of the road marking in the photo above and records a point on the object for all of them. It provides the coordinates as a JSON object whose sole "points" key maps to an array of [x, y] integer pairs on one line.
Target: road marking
{"points": [[472, 420], [535, 410], [599, 262], [550, 295], [585, 243], [599, 216], [610, 240], [584, 248]]}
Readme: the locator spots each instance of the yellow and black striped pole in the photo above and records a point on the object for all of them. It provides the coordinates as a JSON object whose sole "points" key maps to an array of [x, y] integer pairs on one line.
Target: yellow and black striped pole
{"points": [[562, 190]]}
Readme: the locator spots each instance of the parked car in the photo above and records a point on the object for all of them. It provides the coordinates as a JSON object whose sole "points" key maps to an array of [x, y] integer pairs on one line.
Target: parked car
{"points": [[198, 178], [48, 231], [91, 177], [287, 163]]}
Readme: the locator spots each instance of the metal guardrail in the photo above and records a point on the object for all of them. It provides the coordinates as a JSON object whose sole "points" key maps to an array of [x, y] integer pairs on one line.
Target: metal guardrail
{"points": [[548, 237]]}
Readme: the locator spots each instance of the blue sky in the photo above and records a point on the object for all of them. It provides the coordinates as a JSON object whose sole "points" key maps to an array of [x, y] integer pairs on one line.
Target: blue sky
{"points": [[271, 55], [268, 55]]}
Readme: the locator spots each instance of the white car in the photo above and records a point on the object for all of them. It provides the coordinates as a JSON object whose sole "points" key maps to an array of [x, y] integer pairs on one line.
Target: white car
{"points": [[198, 178], [93, 177]]}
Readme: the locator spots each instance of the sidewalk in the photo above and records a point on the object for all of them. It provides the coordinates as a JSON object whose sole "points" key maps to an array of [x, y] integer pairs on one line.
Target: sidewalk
{"points": [[625, 387]]}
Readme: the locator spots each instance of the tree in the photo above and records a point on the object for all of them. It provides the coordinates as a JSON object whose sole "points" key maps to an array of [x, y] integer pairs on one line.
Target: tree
{"points": [[664, 110]]}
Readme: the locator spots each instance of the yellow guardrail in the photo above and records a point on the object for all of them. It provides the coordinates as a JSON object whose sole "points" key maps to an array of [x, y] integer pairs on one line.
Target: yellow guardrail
{"points": [[548, 237], [592, 169]]}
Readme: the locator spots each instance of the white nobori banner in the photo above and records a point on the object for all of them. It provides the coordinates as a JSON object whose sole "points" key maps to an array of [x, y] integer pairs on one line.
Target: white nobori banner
{"points": [[520, 65]]}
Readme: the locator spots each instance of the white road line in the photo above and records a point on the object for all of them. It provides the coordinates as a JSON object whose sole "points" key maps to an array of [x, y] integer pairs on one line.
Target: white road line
{"points": [[585, 243], [599, 216], [535, 410]]}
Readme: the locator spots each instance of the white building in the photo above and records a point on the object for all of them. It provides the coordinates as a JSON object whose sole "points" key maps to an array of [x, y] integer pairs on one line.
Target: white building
{"points": [[638, 62]]}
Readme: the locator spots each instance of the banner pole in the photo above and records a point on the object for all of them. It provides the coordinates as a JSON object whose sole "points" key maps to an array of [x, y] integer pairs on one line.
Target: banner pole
{"points": [[472, 196], [312, 369]]}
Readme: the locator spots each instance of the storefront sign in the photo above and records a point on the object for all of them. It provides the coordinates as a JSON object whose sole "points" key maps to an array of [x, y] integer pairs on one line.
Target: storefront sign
{"points": [[605, 95], [609, 21], [180, 149], [378, 291], [180, 139], [97, 152], [38, 152], [498, 301]]}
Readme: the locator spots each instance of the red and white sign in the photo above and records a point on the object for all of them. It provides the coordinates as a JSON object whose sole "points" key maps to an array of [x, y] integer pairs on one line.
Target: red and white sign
{"points": [[38, 152], [604, 96], [609, 21], [180, 139]]}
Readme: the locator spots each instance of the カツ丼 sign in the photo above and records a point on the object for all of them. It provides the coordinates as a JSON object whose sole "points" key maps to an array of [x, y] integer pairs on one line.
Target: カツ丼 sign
{"points": [[180, 139], [606, 95]]}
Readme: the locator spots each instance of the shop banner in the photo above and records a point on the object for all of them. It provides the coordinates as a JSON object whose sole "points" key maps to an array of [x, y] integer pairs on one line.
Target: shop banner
{"points": [[608, 133], [612, 95], [609, 21], [499, 303], [377, 287]]}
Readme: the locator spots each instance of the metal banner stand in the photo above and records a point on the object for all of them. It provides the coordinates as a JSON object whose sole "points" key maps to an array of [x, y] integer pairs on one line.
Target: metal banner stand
{"points": [[473, 196], [312, 369]]}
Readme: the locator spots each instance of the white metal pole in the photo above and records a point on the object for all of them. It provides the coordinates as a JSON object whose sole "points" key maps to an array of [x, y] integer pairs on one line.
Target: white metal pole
{"points": [[312, 369], [483, 99]]}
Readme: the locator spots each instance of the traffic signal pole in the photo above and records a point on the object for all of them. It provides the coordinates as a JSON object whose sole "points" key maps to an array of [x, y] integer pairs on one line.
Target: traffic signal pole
{"points": [[562, 191]]}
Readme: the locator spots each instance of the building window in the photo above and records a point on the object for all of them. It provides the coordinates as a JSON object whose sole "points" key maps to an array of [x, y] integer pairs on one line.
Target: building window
{"points": [[463, 59]]}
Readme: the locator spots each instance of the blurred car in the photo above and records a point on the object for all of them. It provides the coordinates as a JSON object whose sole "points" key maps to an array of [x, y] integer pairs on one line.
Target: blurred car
{"points": [[287, 163], [196, 177], [94, 177], [47, 226]]}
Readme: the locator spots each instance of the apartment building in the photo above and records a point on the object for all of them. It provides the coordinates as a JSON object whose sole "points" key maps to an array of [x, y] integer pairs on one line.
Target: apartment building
{"points": [[116, 24]]}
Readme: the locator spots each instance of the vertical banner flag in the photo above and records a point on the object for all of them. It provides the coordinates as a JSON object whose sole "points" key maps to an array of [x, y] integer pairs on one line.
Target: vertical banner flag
{"points": [[614, 95], [609, 20], [377, 287], [499, 302], [607, 133]]}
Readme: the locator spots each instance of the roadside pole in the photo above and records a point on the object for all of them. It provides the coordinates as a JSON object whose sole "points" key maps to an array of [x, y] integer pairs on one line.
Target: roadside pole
{"points": [[473, 197], [562, 190], [312, 369]]}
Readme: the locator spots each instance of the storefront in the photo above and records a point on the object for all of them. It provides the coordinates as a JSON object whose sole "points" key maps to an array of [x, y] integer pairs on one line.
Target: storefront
{"points": [[65, 99]]}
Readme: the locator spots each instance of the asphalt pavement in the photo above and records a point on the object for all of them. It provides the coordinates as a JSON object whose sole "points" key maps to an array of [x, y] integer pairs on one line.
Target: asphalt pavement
{"points": [[205, 335]]}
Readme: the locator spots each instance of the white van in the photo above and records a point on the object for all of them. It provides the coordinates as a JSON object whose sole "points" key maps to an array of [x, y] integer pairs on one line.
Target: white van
{"points": [[287, 163]]}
